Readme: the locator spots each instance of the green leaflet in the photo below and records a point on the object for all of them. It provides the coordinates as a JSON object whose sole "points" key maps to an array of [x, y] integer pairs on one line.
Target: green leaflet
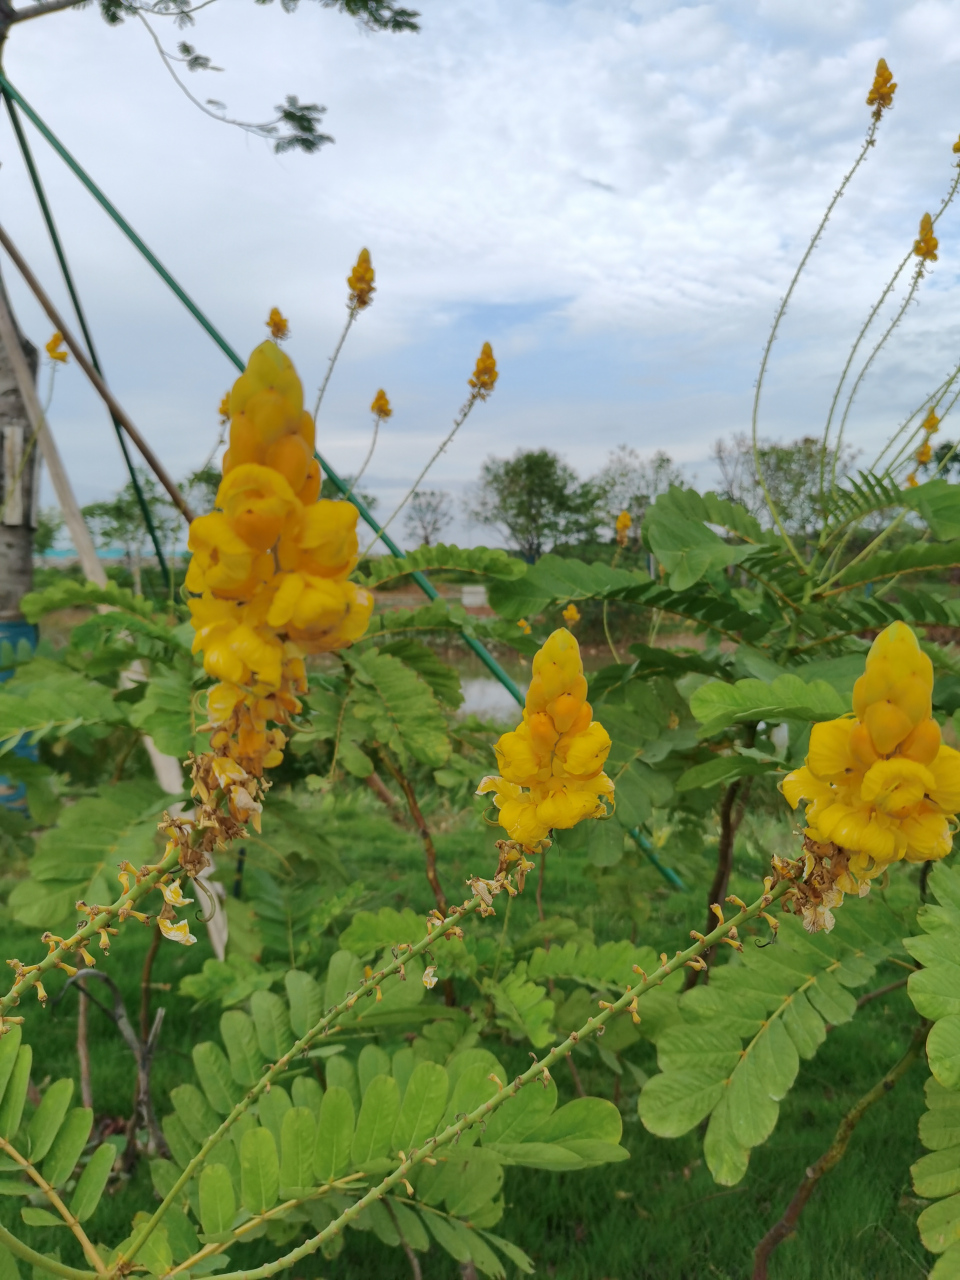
{"points": [[259, 1171], [777, 1000], [78, 857], [15, 1094], [557, 579], [297, 1143], [371, 1062], [166, 712], [480, 560], [424, 1100], [400, 708], [274, 1035], [376, 1121], [334, 1135], [194, 1112], [787, 697], [723, 769], [523, 1007], [909, 559], [218, 1203], [213, 1072], [306, 1000], [371, 931], [443, 679], [240, 1037], [933, 989], [68, 594], [92, 1181], [68, 1146], [685, 547], [44, 699]]}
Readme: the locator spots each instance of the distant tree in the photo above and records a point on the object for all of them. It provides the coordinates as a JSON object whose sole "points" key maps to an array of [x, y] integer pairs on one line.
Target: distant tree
{"points": [[791, 473], [629, 482], [48, 528], [537, 500], [120, 521], [200, 488], [945, 462], [428, 514]]}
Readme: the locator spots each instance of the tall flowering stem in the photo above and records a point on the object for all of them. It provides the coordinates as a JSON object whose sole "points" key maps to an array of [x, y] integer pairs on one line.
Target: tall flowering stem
{"points": [[360, 282]]}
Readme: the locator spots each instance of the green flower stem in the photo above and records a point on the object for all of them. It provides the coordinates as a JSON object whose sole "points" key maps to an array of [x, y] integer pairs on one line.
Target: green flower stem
{"points": [[366, 988], [89, 1252], [278, 1211], [536, 1071], [41, 1260], [89, 931]]}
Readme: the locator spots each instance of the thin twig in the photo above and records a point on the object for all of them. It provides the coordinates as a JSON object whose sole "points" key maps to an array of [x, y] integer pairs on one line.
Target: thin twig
{"points": [[83, 1049], [429, 848], [354, 311], [89, 1252]]}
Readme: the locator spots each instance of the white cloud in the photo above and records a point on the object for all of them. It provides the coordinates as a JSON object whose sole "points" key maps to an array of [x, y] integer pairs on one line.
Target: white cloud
{"points": [[614, 192]]}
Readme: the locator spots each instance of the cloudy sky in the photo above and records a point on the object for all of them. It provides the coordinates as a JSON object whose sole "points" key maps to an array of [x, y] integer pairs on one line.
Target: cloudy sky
{"points": [[613, 192]]}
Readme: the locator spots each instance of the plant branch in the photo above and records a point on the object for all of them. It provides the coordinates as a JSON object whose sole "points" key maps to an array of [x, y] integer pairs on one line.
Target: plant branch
{"points": [[89, 1252], [429, 848], [539, 1070], [101, 920], [351, 316], [834, 1153]]}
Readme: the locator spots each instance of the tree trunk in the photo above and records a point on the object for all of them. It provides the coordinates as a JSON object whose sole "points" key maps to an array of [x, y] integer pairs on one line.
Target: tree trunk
{"points": [[19, 479]]}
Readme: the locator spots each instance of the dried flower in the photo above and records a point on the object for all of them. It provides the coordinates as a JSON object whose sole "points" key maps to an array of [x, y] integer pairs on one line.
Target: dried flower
{"points": [[179, 932], [430, 976]]}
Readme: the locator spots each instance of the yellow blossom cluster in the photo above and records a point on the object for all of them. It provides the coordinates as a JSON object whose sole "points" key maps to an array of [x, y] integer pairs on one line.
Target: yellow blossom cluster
{"points": [[268, 577], [54, 348], [551, 765], [879, 784], [571, 614], [360, 281], [624, 522], [278, 324], [883, 88], [485, 374], [925, 246], [380, 407]]}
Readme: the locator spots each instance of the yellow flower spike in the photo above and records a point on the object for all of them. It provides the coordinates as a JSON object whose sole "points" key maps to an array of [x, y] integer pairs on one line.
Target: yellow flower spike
{"points": [[571, 614], [173, 894], [53, 348], [623, 525], [360, 281], [278, 325], [931, 423], [925, 247], [924, 453], [179, 932], [879, 788], [551, 765], [882, 90], [381, 405], [224, 410], [524, 626], [912, 481], [485, 373]]}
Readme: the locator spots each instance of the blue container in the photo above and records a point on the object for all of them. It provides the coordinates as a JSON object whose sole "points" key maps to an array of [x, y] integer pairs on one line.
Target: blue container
{"points": [[13, 795]]}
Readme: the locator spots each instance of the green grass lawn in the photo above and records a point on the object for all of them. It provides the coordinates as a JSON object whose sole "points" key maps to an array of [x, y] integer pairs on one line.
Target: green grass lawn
{"points": [[657, 1217]]}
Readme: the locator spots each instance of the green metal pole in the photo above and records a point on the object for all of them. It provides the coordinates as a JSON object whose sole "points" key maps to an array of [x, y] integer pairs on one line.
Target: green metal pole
{"points": [[82, 319], [422, 581]]}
